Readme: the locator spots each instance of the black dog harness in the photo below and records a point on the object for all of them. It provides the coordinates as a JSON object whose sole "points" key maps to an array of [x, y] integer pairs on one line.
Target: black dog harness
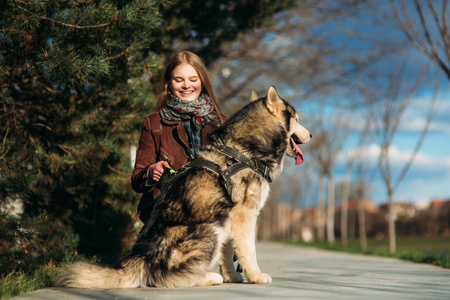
{"points": [[240, 162]]}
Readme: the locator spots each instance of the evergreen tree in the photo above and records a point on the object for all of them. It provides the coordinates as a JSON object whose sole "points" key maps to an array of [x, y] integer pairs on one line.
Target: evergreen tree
{"points": [[70, 75], [76, 79]]}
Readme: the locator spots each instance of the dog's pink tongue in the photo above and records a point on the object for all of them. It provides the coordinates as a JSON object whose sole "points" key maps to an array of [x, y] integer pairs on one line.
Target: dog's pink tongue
{"points": [[298, 152]]}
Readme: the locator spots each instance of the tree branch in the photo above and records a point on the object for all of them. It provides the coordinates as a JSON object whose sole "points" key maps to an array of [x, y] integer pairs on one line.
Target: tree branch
{"points": [[68, 25], [426, 32], [419, 142], [416, 38]]}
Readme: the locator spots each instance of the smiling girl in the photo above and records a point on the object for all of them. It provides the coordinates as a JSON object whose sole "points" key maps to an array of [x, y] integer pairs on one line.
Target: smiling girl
{"points": [[187, 110]]}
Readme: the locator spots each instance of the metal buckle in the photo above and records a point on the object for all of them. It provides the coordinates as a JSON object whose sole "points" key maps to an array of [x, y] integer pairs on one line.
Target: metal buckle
{"points": [[266, 170]]}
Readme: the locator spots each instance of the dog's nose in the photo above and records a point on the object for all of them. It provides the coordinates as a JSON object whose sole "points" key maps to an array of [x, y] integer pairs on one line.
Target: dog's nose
{"points": [[310, 135]]}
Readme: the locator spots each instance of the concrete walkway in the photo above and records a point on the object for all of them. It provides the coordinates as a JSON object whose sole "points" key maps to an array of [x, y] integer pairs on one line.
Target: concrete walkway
{"points": [[298, 273]]}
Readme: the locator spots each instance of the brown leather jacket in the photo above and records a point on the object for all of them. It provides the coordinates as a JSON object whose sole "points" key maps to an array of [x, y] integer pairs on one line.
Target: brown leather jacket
{"points": [[161, 139]]}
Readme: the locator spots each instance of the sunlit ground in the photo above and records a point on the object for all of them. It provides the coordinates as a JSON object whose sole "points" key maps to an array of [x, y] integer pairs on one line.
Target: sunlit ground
{"points": [[426, 249]]}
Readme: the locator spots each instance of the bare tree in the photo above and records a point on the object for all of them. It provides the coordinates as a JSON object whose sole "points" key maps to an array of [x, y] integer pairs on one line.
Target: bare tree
{"points": [[330, 210], [344, 205], [397, 101], [354, 156], [329, 137], [296, 53], [296, 191], [321, 221], [361, 192], [268, 221], [307, 232], [430, 33]]}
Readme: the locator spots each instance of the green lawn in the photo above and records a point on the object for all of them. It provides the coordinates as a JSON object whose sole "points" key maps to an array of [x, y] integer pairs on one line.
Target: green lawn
{"points": [[434, 250]]}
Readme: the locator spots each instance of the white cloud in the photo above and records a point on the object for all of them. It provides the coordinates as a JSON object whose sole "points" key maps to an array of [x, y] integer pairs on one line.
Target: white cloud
{"points": [[429, 174], [399, 157], [427, 178], [414, 118], [417, 124]]}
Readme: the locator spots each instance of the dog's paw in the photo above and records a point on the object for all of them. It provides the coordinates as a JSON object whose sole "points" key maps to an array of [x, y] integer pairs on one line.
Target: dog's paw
{"points": [[261, 278], [211, 279], [233, 277]]}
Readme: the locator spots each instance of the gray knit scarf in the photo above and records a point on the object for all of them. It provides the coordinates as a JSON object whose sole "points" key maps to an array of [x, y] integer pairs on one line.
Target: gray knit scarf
{"points": [[198, 111]]}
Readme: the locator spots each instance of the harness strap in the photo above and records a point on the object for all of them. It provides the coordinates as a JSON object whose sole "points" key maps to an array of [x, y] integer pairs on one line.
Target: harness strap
{"points": [[225, 175], [258, 167], [203, 163], [242, 163]]}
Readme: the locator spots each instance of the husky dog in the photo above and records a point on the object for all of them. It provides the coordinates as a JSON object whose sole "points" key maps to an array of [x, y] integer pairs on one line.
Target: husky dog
{"points": [[209, 210]]}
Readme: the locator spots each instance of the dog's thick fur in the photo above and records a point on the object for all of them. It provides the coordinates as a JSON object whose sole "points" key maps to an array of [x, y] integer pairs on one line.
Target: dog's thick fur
{"points": [[195, 223]]}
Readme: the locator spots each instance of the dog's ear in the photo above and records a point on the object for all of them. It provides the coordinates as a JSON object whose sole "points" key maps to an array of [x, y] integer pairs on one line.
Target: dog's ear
{"points": [[273, 101], [253, 96]]}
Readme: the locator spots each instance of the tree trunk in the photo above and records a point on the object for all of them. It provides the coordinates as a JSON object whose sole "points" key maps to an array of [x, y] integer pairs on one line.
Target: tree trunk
{"points": [[282, 221], [321, 210], [292, 220], [391, 224], [344, 209], [362, 225], [330, 214]]}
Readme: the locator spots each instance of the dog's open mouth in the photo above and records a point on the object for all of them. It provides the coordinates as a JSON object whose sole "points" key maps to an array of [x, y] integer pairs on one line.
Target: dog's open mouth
{"points": [[298, 154]]}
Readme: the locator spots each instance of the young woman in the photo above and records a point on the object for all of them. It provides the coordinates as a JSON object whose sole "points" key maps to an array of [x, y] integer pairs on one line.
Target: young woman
{"points": [[187, 110]]}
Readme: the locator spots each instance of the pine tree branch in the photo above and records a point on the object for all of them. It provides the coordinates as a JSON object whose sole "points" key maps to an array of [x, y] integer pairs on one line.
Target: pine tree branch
{"points": [[115, 20], [85, 2]]}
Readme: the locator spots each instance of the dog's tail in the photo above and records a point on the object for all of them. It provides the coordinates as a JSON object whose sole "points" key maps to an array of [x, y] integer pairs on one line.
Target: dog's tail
{"points": [[91, 276]]}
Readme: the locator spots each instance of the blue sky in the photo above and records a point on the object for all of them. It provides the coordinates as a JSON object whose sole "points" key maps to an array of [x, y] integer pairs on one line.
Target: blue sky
{"points": [[351, 36], [429, 175]]}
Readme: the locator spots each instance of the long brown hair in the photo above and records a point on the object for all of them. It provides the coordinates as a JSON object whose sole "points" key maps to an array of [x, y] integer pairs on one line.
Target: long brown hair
{"points": [[197, 63]]}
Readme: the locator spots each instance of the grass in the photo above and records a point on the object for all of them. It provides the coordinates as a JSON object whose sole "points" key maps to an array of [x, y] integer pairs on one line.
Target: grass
{"points": [[20, 282], [431, 250]]}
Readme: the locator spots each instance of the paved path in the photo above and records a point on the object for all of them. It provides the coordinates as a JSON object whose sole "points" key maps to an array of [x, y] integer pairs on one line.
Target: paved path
{"points": [[298, 273]]}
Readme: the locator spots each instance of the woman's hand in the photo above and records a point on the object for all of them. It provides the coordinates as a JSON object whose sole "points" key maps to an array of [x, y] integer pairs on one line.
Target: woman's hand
{"points": [[157, 170]]}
